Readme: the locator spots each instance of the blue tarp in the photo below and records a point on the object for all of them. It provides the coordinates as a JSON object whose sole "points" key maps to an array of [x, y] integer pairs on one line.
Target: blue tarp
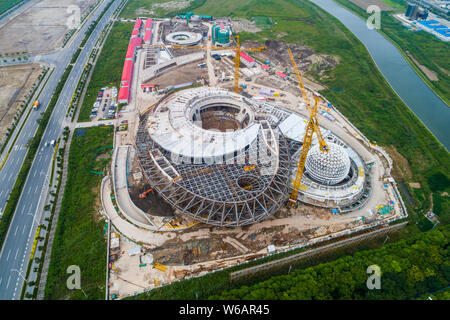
{"points": [[428, 22], [444, 32]]}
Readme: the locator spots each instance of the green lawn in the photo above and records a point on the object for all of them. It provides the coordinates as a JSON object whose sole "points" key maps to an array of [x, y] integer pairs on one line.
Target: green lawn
{"points": [[79, 238], [108, 70], [143, 8], [396, 4], [7, 4]]}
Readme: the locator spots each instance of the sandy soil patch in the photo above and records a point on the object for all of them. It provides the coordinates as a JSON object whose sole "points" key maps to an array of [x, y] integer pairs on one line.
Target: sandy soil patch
{"points": [[306, 59], [401, 169], [431, 75], [15, 82], [188, 73], [165, 6], [415, 185], [40, 28], [240, 24]]}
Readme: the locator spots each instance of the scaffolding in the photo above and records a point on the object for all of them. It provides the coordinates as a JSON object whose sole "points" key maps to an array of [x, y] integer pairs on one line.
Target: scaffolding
{"points": [[222, 194]]}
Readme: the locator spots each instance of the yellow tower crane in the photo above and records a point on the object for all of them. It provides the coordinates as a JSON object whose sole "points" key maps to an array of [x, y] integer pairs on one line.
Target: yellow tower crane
{"points": [[236, 59], [313, 126]]}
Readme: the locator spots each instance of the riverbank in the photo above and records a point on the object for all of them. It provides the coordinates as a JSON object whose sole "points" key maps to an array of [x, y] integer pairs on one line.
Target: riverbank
{"points": [[419, 49], [367, 99]]}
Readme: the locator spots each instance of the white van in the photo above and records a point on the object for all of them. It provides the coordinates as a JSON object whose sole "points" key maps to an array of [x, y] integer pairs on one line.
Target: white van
{"points": [[52, 143]]}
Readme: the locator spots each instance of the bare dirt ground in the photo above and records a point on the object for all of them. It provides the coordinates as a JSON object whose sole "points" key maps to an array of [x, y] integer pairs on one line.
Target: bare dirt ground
{"points": [[163, 6], [241, 24], [401, 167], [429, 73], [306, 59], [41, 28], [363, 4], [15, 82], [152, 203], [189, 72]]}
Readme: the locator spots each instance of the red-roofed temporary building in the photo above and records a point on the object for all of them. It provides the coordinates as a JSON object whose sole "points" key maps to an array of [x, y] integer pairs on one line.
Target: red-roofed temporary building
{"points": [[137, 24], [265, 67], [281, 74], [125, 84], [248, 61], [134, 43], [124, 95], [137, 42], [135, 33], [127, 72], [148, 24], [148, 36], [130, 51]]}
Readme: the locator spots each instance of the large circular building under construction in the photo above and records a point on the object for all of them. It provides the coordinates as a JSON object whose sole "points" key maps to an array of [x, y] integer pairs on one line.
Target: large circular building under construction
{"points": [[227, 160]]}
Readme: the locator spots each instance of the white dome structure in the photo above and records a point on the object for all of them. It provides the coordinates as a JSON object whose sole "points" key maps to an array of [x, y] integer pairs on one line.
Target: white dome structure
{"points": [[330, 167]]}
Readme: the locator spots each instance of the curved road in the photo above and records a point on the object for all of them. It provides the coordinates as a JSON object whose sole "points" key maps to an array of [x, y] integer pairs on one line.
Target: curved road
{"points": [[16, 248]]}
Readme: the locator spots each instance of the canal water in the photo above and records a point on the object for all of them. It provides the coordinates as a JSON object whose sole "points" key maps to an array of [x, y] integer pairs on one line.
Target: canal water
{"points": [[425, 104]]}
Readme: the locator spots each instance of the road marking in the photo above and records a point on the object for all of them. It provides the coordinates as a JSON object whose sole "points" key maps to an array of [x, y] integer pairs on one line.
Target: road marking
{"points": [[17, 252], [36, 190], [15, 232], [24, 226], [1, 193], [34, 175], [7, 258], [7, 285]]}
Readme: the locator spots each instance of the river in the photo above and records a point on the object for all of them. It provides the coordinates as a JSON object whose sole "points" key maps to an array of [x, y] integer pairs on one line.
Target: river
{"points": [[416, 94]]}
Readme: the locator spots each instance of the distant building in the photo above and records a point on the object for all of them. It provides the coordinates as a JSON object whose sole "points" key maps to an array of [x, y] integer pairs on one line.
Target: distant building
{"points": [[414, 12], [411, 11]]}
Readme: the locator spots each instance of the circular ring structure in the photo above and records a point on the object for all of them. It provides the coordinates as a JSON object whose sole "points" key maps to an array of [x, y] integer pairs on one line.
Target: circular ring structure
{"points": [[230, 178], [184, 38]]}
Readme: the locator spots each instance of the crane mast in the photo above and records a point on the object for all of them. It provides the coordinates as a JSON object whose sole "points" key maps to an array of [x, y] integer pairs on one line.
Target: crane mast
{"points": [[237, 58], [313, 126]]}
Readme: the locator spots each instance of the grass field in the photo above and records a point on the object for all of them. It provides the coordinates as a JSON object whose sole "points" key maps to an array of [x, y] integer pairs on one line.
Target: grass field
{"points": [[79, 238], [139, 8], [396, 4], [108, 70], [423, 46], [7, 4]]}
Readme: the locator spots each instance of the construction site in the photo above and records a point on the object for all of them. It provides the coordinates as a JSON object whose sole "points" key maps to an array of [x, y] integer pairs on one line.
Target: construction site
{"points": [[225, 153]]}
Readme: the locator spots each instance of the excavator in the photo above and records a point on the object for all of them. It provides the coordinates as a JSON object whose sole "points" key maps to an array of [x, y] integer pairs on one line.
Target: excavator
{"points": [[144, 194], [311, 128]]}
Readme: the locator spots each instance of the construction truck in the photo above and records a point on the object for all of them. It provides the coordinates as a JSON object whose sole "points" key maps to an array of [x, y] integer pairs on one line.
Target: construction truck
{"points": [[36, 105]]}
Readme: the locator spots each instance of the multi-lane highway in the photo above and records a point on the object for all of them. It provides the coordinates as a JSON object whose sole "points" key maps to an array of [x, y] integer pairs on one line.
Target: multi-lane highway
{"points": [[16, 248]]}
